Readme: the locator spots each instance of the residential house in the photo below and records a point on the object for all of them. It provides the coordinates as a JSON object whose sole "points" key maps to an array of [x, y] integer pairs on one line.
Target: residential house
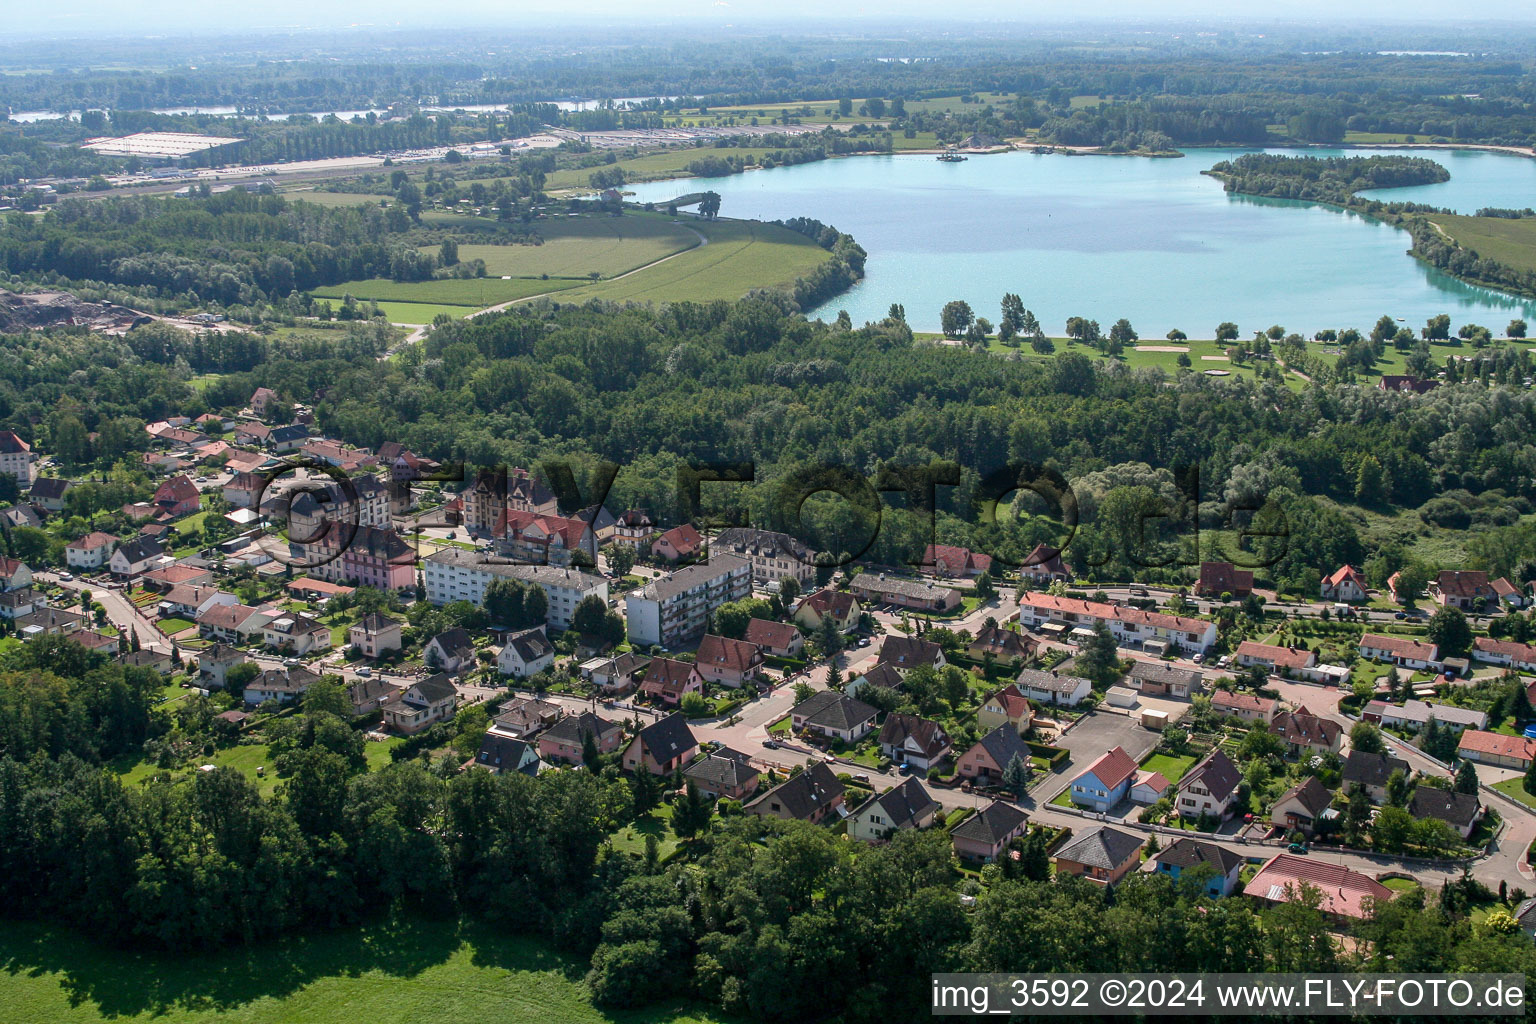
{"points": [[1505, 652], [1044, 565], [1300, 808], [773, 556], [1283, 661], [45, 621], [450, 651], [287, 439], [1223, 578], [369, 556], [566, 739], [1465, 589], [1149, 787], [369, 695], [1305, 733], [662, 747], [528, 538], [913, 595], [1345, 584], [616, 675], [22, 515], [633, 529], [91, 551], [1129, 625], [883, 675], [48, 492], [375, 635], [1220, 867], [177, 574], [244, 490], [1510, 596], [1052, 686], [1007, 706], [1460, 811], [814, 795], [908, 739], [136, 556], [908, 805], [677, 607], [833, 715], [843, 607], [503, 754], [1413, 715], [16, 603], [1247, 706], [453, 574], [1371, 771], [524, 719], [249, 432], [1402, 651], [668, 680], [189, 600], [904, 653], [296, 633], [526, 654], [177, 496], [498, 491], [1209, 788], [723, 773], [733, 663], [214, 663], [1101, 854], [987, 760], [678, 544], [1343, 892], [14, 574], [1496, 749], [780, 639], [232, 624], [16, 459], [955, 562], [1004, 646], [279, 684], [1105, 782], [158, 661], [423, 704], [986, 834], [1160, 679], [262, 400]]}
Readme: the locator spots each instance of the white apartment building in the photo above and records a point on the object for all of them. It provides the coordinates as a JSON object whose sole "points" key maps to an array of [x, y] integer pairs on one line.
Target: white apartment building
{"points": [[453, 574], [677, 607]]}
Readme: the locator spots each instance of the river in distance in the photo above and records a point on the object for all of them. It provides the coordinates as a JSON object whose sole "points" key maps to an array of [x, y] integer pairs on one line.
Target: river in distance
{"points": [[1153, 240]]}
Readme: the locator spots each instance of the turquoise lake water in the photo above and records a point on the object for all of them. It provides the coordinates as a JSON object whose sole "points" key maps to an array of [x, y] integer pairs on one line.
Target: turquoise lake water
{"points": [[1153, 240]]}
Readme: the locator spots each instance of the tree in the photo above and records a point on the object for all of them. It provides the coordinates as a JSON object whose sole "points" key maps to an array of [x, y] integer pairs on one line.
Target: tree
{"points": [[1016, 777], [1226, 331], [448, 252], [1122, 333], [1370, 482], [1397, 788], [1366, 738], [690, 815], [1035, 860], [1466, 778], [1529, 782], [956, 318], [709, 205], [1392, 829], [1516, 329], [1099, 657], [1449, 631], [621, 559], [1012, 319]]}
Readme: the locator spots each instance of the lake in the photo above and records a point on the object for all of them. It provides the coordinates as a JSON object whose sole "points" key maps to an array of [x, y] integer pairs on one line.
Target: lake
{"points": [[1103, 237]]}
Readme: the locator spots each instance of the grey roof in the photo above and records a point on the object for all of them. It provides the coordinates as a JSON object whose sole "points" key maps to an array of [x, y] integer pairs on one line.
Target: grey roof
{"points": [[50, 487], [883, 674], [531, 644], [829, 709], [904, 804], [930, 735], [284, 680], [575, 729], [454, 642], [667, 737], [292, 432], [503, 753], [1218, 773], [1165, 674], [909, 652], [804, 794], [745, 540], [1312, 794], [373, 622], [923, 590], [991, 824], [723, 767], [140, 549], [1053, 681], [544, 575], [1189, 853], [1102, 847], [1370, 769], [435, 688], [1458, 809], [692, 576], [1002, 743]]}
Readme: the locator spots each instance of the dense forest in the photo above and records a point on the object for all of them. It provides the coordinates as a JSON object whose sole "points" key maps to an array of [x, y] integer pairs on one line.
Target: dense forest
{"points": [[760, 917]]}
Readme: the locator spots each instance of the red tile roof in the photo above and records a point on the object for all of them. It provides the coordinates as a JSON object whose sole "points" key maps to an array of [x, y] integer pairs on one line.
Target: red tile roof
{"points": [[724, 653], [1241, 701], [766, 633], [1112, 768], [1280, 657], [1343, 891], [1399, 646], [1497, 744], [1116, 612]]}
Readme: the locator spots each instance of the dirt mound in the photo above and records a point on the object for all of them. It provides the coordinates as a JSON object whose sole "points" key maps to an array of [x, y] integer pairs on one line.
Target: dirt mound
{"points": [[35, 310]]}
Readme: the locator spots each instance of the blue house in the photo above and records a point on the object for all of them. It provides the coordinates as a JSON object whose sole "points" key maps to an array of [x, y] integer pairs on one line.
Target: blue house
{"points": [[1190, 854], [1106, 782]]}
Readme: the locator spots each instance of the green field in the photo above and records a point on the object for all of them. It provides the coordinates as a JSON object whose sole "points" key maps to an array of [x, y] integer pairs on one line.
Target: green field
{"points": [[670, 163], [1510, 242], [474, 292], [1170, 767], [333, 198], [403, 973], [576, 247], [740, 256]]}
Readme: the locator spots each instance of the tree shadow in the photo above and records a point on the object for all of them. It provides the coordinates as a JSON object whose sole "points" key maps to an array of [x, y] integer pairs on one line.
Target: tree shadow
{"points": [[127, 983]]}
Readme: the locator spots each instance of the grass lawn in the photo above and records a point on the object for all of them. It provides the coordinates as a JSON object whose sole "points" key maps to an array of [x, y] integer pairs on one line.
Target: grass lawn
{"points": [[376, 752], [1510, 242], [333, 198], [467, 293], [1400, 884], [631, 838], [1516, 788], [172, 626], [1172, 768], [671, 163], [419, 312], [741, 256], [1063, 799], [390, 974], [575, 247], [780, 728]]}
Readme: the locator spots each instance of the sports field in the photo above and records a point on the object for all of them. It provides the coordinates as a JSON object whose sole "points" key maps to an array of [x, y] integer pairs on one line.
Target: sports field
{"points": [[385, 974]]}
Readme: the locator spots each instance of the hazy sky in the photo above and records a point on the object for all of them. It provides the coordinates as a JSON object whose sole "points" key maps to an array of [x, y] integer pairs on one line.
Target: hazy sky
{"points": [[156, 17]]}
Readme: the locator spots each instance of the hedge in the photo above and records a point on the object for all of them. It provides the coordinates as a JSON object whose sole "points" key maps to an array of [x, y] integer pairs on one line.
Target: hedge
{"points": [[1054, 756]]}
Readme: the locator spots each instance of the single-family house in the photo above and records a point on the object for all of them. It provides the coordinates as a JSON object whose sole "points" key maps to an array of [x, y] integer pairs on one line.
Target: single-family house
{"points": [[908, 739], [1402, 651], [908, 805], [662, 747], [1300, 808], [904, 653], [1044, 565], [1458, 810], [842, 606], [668, 680], [135, 556], [833, 715], [881, 676], [423, 704], [987, 760], [1496, 749], [279, 684], [1249, 707], [375, 635], [566, 739], [814, 795], [1209, 788], [14, 574], [729, 662], [91, 551], [1160, 679], [1466, 589], [524, 719], [632, 528], [1306, 733], [296, 633], [370, 694], [1509, 595], [723, 773], [617, 675], [955, 562], [1102, 854], [16, 603], [214, 663], [986, 834], [526, 654], [916, 595], [1283, 661], [1344, 893], [1505, 652], [677, 544], [503, 754], [1413, 715], [1223, 578], [232, 624], [450, 651], [1007, 706], [158, 661], [45, 621], [1219, 866], [780, 639], [1053, 686], [48, 491], [1346, 585], [1004, 646], [1105, 782], [1371, 771]]}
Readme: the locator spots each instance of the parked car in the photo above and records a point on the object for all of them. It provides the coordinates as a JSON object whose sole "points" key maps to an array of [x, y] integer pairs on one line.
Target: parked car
{"points": [[1297, 848], [771, 744], [1399, 615], [365, 672]]}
